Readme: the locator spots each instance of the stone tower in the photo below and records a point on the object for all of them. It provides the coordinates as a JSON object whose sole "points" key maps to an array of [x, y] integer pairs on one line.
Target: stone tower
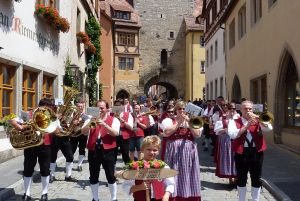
{"points": [[162, 44]]}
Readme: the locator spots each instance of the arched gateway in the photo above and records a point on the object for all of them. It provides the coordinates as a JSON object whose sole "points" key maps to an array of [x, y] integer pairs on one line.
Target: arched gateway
{"points": [[171, 91]]}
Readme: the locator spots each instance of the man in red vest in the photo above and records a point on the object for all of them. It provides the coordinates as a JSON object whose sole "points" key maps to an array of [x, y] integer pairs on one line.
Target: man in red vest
{"points": [[248, 145], [101, 145]]}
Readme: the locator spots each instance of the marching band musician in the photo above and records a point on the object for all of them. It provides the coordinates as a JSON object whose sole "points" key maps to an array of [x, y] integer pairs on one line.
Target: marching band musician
{"points": [[127, 106], [208, 112], [81, 140], [63, 144], [39, 153], [181, 154], [249, 146], [137, 137], [101, 145], [126, 121]]}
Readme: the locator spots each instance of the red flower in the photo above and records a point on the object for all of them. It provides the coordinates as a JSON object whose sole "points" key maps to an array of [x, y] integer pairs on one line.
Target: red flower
{"points": [[146, 165], [156, 164], [135, 165]]}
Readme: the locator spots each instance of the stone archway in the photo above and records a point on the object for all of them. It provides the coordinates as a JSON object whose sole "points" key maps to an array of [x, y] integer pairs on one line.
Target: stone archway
{"points": [[122, 94], [287, 79], [171, 91], [236, 89]]}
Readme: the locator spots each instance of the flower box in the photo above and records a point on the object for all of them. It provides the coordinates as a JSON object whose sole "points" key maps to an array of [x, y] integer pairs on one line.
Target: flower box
{"points": [[51, 15], [82, 37]]}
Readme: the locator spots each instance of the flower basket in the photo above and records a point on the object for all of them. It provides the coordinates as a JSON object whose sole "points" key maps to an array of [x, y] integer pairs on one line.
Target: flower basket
{"points": [[51, 15], [82, 37], [141, 164]]}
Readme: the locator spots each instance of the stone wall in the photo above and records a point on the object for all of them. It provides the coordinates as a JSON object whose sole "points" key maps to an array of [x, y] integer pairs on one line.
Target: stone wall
{"points": [[158, 19]]}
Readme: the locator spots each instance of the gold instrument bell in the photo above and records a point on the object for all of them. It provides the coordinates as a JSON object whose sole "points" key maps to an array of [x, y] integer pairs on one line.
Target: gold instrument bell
{"points": [[44, 121], [196, 122], [266, 117]]}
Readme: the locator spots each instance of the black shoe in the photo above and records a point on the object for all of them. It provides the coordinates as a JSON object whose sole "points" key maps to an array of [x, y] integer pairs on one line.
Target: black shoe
{"points": [[205, 149], [70, 179], [26, 197], [203, 143], [44, 197], [52, 179], [79, 169]]}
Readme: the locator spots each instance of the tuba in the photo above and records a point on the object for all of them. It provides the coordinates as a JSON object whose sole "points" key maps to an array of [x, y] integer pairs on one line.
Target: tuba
{"points": [[67, 111], [44, 121]]}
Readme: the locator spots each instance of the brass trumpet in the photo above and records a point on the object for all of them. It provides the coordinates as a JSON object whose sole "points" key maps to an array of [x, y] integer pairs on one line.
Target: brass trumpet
{"points": [[196, 122], [266, 118]]}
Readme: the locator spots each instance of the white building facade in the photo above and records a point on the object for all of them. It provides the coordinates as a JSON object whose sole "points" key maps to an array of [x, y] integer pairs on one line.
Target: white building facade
{"points": [[32, 55]]}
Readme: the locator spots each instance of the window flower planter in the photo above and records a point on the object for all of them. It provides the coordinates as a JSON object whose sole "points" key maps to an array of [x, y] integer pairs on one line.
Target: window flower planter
{"points": [[90, 47], [82, 37], [51, 15]]}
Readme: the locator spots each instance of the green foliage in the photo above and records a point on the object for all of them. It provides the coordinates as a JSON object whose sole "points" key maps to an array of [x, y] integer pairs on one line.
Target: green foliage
{"points": [[94, 31], [100, 91], [68, 79]]}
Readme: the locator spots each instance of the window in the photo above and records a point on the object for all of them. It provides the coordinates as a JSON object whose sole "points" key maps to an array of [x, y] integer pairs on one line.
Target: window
{"points": [[6, 89], [221, 86], [29, 90], [202, 41], [126, 39], [271, 2], [211, 54], [207, 57], [259, 90], [171, 35], [48, 86], [122, 15], [224, 42], [51, 3], [292, 97], [242, 21], [216, 88], [232, 34], [216, 50], [164, 58], [202, 69], [207, 91], [78, 28], [214, 11], [256, 11], [126, 63]]}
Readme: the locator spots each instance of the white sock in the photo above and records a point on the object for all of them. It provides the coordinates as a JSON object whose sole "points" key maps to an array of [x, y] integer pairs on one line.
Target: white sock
{"points": [[94, 188], [69, 168], [255, 192], [27, 185], [242, 193], [45, 184], [52, 169], [113, 190], [80, 160]]}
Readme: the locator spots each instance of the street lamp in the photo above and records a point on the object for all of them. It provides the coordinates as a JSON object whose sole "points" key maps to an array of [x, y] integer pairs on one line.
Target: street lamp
{"points": [[74, 70]]}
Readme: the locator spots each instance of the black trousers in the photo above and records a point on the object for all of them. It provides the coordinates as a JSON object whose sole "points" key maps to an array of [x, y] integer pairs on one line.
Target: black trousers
{"points": [[103, 157], [206, 131], [124, 148], [79, 142], [63, 144], [250, 161], [42, 154]]}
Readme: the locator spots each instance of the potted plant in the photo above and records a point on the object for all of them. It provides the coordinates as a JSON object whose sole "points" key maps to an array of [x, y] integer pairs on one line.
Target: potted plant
{"points": [[82, 37]]}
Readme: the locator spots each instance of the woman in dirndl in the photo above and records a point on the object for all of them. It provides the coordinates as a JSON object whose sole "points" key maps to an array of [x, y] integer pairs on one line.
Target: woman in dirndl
{"points": [[182, 155], [225, 165]]}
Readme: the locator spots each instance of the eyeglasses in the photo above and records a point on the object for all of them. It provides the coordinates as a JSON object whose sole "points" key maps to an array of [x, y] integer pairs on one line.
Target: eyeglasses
{"points": [[180, 108], [224, 105], [232, 108], [170, 111]]}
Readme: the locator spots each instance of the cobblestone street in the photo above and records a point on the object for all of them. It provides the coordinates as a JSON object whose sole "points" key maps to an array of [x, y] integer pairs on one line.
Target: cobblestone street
{"points": [[213, 188]]}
